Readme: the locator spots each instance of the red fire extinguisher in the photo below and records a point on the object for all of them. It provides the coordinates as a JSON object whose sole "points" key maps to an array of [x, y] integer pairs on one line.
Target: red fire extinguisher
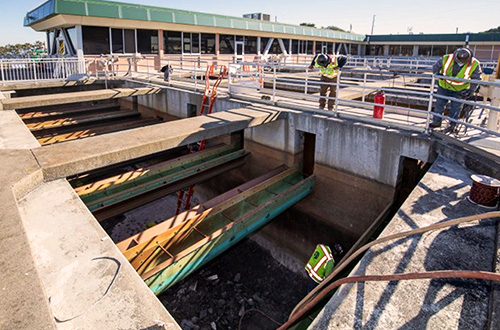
{"points": [[378, 111]]}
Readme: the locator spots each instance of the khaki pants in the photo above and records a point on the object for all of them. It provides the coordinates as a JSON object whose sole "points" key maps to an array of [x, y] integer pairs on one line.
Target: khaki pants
{"points": [[323, 89]]}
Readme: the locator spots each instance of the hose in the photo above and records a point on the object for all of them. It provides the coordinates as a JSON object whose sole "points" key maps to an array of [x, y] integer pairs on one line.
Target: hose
{"points": [[317, 294]]}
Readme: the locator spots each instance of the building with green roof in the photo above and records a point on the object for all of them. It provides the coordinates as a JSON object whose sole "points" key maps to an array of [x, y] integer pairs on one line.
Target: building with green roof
{"points": [[95, 27]]}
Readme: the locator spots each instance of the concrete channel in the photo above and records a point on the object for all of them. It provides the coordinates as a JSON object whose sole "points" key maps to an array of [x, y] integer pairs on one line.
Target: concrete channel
{"points": [[81, 213]]}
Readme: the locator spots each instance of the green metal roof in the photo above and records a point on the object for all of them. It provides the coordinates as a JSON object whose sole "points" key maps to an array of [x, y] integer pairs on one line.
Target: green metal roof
{"points": [[460, 37], [119, 10]]}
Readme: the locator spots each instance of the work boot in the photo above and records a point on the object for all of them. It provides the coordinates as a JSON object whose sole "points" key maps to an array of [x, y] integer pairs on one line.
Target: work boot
{"points": [[434, 125], [449, 130]]}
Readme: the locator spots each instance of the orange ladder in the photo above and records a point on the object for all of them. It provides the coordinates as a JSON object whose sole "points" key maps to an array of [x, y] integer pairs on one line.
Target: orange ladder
{"points": [[183, 196]]}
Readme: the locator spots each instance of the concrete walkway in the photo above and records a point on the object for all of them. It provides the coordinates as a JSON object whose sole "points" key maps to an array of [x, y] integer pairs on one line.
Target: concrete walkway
{"points": [[58, 268], [66, 98], [422, 304]]}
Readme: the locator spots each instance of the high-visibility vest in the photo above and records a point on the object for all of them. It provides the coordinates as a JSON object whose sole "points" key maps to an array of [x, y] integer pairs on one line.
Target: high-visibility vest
{"points": [[329, 71], [320, 264], [464, 73]]}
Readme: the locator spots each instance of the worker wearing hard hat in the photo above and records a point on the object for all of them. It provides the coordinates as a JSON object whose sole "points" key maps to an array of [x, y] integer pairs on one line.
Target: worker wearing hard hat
{"points": [[330, 69], [460, 64], [321, 263]]}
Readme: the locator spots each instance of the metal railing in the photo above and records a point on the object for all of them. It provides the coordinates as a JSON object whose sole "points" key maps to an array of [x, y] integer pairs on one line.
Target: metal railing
{"points": [[417, 88], [38, 69]]}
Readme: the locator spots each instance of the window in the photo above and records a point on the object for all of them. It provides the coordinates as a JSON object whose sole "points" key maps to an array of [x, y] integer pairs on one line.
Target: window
{"points": [[71, 33], [250, 45], [394, 50], [275, 47], [309, 47], [95, 40], [191, 43], [377, 50], [207, 43], [129, 41], [263, 44], [438, 50], [425, 50], [117, 41], [406, 50], [354, 49], [318, 47], [226, 44], [172, 42], [286, 42], [147, 41]]}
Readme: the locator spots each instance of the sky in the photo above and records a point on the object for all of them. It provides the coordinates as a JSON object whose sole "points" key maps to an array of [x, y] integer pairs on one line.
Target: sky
{"points": [[391, 16]]}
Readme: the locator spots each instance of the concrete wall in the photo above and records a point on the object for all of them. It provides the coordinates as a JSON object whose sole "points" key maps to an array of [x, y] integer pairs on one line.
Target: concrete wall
{"points": [[179, 102], [357, 168]]}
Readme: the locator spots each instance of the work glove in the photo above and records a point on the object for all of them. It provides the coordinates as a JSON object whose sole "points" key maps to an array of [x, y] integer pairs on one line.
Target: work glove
{"points": [[341, 61], [465, 94]]}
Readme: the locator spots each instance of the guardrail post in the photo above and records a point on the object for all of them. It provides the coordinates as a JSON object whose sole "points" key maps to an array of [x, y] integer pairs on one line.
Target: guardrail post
{"points": [[3, 73], [34, 71], [429, 106], [170, 73], [195, 77], [364, 85], [492, 123], [337, 95], [307, 80], [274, 84]]}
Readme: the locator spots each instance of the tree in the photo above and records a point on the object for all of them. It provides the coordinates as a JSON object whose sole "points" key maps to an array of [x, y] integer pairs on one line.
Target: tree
{"points": [[493, 30], [308, 24], [335, 28]]}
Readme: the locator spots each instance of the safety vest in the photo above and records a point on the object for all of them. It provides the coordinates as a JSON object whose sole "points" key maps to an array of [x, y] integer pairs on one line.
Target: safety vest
{"points": [[329, 71], [464, 73], [320, 264]]}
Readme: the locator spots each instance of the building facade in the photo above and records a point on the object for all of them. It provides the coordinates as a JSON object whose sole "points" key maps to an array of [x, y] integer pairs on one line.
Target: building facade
{"points": [[95, 27]]}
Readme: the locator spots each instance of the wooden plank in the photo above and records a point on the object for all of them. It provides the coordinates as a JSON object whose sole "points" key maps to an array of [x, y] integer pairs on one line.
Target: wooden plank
{"points": [[153, 170], [72, 121], [165, 180], [29, 117], [168, 235], [305, 184], [88, 132], [176, 220]]}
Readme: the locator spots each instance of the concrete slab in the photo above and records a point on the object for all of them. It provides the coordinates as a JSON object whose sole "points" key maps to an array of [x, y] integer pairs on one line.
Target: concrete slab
{"points": [[422, 304], [44, 84], [14, 134], [65, 98], [23, 303], [88, 282], [66, 159]]}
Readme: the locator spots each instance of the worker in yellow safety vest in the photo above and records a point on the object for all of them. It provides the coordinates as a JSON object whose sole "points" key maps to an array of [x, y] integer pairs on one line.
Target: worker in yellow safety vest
{"points": [[330, 69], [321, 263], [460, 64]]}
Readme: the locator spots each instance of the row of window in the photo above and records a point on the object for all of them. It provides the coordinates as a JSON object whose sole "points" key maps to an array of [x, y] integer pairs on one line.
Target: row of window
{"points": [[102, 40], [483, 52]]}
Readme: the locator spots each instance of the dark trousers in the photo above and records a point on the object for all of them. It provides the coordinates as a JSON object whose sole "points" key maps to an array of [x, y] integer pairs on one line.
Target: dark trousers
{"points": [[441, 104], [323, 89]]}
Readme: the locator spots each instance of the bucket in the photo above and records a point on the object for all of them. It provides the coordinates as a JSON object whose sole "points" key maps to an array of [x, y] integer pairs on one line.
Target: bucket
{"points": [[484, 191]]}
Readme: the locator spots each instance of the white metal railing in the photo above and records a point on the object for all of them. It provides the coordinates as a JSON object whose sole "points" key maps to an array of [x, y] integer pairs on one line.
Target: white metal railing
{"points": [[38, 69], [298, 86], [400, 78]]}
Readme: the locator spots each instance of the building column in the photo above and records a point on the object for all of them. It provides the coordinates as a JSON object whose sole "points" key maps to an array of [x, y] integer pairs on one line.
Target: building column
{"points": [[161, 52], [79, 49], [415, 50]]}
